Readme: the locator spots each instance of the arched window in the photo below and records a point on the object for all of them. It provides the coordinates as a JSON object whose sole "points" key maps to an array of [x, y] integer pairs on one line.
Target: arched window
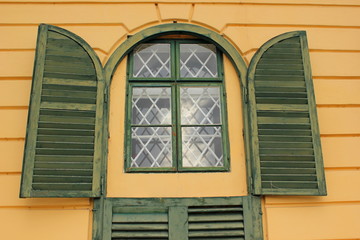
{"points": [[176, 118]]}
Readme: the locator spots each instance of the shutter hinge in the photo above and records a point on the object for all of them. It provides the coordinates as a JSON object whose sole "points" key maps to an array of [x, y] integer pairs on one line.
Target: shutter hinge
{"points": [[245, 95], [102, 186], [106, 96]]}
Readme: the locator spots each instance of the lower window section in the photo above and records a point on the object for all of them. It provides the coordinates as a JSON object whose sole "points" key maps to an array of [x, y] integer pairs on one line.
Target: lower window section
{"points": [[178, 218], [176, 127]]}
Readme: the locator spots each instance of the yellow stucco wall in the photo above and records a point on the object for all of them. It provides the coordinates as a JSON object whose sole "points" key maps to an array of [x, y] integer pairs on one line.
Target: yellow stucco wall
{"points": [[333, 29], [122, 184]]}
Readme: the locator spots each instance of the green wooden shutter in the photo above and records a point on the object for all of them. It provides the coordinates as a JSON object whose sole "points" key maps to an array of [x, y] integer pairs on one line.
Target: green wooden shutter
{"points": [[63, 142], [179, 218], [286, 149]]}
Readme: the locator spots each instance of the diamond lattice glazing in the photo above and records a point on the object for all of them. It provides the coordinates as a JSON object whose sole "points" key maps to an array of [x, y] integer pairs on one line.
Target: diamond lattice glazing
{"points": [[151, 147], [152, 61], [151, 105], [200, 105], [198, 61], [202, 147]]}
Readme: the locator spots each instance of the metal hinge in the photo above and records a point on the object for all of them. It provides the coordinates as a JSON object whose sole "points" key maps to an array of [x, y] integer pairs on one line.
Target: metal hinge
{"points": [[106, 96], [245, 95], [102, 186]]}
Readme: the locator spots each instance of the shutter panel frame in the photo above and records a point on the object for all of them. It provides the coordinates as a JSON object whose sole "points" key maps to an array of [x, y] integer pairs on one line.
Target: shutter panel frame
{"points": [[260, 55], [209, 216], [55, 189]]}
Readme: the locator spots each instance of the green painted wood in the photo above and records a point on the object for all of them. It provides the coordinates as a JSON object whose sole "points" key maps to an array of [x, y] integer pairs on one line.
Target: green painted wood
{"points": [[67, 119], [59, 179], [173, 218], [62, 158], [62, 186], [72, 82], [216, 225], [283, 119], [143, 222], [178, 223], [253, 218], [33, 113], [68, 106], [140, 227], [140, 217], [68, 94], [289, 177], [64, 144], [215, 217]]}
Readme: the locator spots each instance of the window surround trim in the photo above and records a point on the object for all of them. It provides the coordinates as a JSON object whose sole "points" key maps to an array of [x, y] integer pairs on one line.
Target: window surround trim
{"points": [[252, 211], [188, 29]]}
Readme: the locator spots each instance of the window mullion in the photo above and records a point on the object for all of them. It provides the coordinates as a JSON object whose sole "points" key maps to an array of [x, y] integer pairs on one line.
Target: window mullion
{"points": [[177, 127]]}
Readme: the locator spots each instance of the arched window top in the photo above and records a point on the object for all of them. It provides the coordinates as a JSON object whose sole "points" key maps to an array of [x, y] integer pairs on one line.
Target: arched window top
{"points": [[177, 29]]}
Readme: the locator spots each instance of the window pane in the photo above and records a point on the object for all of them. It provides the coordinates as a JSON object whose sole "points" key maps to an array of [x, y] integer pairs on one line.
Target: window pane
{"points": [[198, 61], [200, 105], [202, 147], [151, 147], [152, 61], [151, 105]]}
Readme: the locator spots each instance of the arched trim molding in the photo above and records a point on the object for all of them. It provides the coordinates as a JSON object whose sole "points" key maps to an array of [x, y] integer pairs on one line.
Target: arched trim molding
{"points": [[176, 28]]}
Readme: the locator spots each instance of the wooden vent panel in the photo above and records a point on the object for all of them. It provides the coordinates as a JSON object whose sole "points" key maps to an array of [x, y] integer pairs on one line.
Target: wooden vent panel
{"points": [[139, 223], [216, 222]]}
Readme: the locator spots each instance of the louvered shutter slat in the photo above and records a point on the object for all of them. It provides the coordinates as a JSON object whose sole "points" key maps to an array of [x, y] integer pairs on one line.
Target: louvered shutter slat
{"points": [[63, 144], [217, 222], [285, 136], [135, 223], [180, 218]]}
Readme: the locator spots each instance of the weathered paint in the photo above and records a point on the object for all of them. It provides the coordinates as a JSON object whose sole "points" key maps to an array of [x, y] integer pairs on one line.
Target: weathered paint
{"points": [[333, 36]]}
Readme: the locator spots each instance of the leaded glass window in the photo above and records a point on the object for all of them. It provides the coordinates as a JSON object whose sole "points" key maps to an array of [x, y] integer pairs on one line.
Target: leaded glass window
{"points": [[176, 119]]}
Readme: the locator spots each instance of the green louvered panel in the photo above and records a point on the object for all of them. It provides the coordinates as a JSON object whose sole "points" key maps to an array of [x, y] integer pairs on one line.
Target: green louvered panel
{"points": [[66, 128], [216, 222], [220, 218], [60, 146], [139, 223], [286, 131]]}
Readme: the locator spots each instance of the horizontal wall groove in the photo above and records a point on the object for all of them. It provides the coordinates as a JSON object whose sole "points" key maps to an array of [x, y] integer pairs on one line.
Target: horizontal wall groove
{"points": [[315, 50], [337, 77], [287, 25], [10, 173], [14, 78], [54, 207], [183, 2], [64, 24], [14, 107], [17, 50], [338, 105], [341, 135], [311, 204], [342, 168], [335, 50], [12, 139]]}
